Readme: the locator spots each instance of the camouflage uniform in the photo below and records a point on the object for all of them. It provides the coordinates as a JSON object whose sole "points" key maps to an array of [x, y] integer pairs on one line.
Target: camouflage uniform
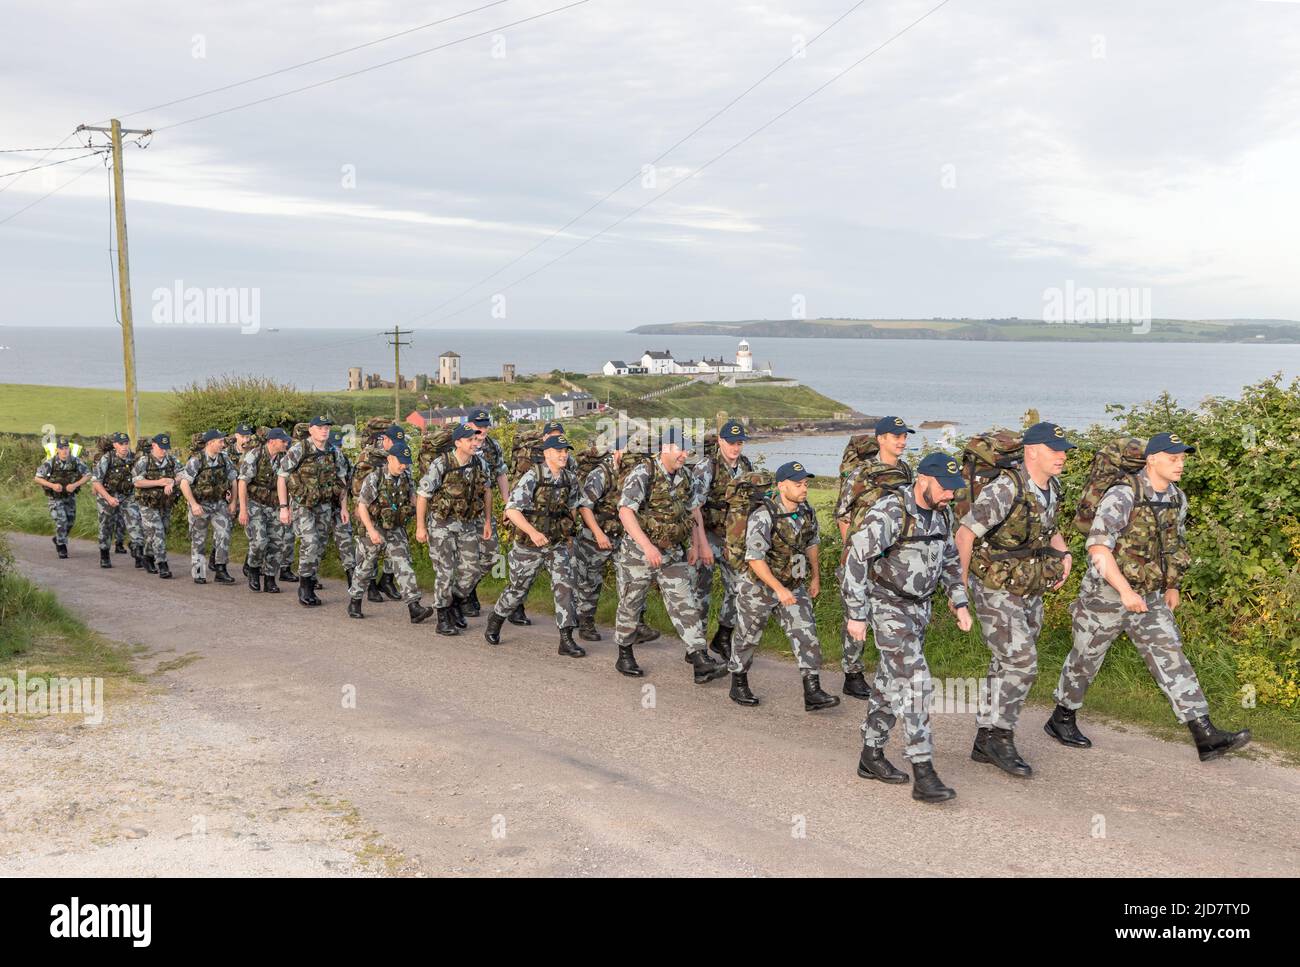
{"points": [[317, 477], [755, 601], [155, 506], [455, 524], [114, 474], [553, 516], [490, 546], [270, 543], [1010, 614], [917, 555], [589, 561], [709, 481], [1100, 616], [649, 490], [211, 480], [63, 506], [388, 500], [343, 539]]}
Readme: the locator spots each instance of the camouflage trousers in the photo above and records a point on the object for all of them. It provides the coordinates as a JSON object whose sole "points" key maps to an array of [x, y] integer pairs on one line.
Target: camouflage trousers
{"points": [[118, 523], [755, 603], [216, 517], [524, 562], [1099, 617], [675, 579], [270, 543], [902, 686], [456, 552], [396, 550], [312, 526], [63, 511], [704, 583], [343, 540], [488, 549], [1010, 624], [851, 649], [589, 566], [156, 522]]}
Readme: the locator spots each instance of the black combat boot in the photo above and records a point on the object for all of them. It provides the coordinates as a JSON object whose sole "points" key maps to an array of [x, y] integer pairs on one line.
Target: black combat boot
{"points": [[307, 594], [246, 568], [493, 630], [198, 577], [872, 764], [1212, 742], [1064, 729], [998, 746], [354, 608], [721, 643], [417, 611], [706, 669], [470, 605], [287, 575], [644, 633], [61, 549], [349, 571], [388, 586], [222, 575], [372, 592], [119, 547], [855, 685], [315, 583], [446, 626], [517, 617], [104, 559], [212, 559], [164, 571], [149, 564], [568, 647], [268, 584], [626, 663], [255, 578], [814, 699], [740, 693], [928, 787], [137, 555], [587, 627], [457, 615]]}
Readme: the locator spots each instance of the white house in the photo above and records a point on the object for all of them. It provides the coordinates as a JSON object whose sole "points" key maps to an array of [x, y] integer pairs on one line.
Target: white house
{"points": [[661, 363], [449, 369], [616, 367], [657, 363], [570, 405]]}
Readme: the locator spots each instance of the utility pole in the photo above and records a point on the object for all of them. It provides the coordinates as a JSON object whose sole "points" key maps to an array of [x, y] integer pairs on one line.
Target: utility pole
{"points": [[116, 131], [397, 344]]}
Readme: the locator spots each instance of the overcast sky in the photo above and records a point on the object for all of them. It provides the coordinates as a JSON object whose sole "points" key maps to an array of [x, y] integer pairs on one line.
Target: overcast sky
{"points": [[989, 153]]}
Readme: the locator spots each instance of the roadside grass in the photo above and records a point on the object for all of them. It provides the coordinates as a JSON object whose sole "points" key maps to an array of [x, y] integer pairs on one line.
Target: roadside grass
{"points": [[87, 412]]}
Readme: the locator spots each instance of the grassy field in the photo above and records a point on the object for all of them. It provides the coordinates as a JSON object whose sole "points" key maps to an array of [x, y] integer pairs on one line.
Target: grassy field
{"points": [[88, 412]]}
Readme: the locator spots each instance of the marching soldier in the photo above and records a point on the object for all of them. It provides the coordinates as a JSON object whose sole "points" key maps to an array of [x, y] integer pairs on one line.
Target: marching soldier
{"points": [[902, 554], [115, 500], [452, 507], [783, 577], [654, 508], [384, 586], [244, 440], [340, 526], [208, 483], [314, 476], [155, 486], [541, 508], [1010, 544], [1137, 554], [709, 486], [62, 474], [891, 438], [383, 508], [270, 543], [597, 541], [490, 544]]}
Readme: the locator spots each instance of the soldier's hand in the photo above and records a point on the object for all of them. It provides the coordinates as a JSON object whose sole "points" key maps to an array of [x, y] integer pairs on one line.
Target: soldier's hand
{"points": [[421, 534], [243, 518], [1133, 602], [376, 538], [487, 530], [284, 515], [343, 515], [857, 630], [963, 618], [602, 540], [538, 538], [815, 586], [1172, 598], [693, 555], [57, 488], [706, 553], [168, 487], [233, 506], [196, 509], [785, 597], [652, 556], [113, 501]]}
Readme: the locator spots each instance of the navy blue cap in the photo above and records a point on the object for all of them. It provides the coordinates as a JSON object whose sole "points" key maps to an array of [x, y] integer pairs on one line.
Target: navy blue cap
{"points": [[557, 443], [61, 443], [335, 437], [672, 437], [394, 433], [1168, 443], [321, 421], [119, 437], [794, 470], [733, 431], [892, 424], [480, 417], [244, 430], [1048, 434], [210, 435], [163, 440], [943, 468], [554, 426], [463, 431], [403, 454], [277, 433]]}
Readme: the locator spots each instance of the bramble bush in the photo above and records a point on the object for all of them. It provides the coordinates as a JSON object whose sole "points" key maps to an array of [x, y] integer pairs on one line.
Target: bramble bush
{"points": [[228, 401]]}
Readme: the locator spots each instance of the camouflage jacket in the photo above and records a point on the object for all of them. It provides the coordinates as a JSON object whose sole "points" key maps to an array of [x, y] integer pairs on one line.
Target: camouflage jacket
{"points": [[114, 474], [259, 469], [147, 468], [494, 457], [662, 503], [903, 554], [62, 471], [388, 499], [548, 502], [316, 476], [210, 478], [782, 540], [1145, 532], [709, 482], [1014, 522], [601, 495], [454, 490]]}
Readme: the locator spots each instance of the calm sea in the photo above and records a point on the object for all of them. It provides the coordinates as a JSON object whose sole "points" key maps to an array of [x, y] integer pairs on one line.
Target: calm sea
{"points": [[972, 384]]}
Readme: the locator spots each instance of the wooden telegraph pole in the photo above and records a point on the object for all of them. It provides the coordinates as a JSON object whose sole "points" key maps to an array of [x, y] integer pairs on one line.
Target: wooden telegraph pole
{"points": [[397, 344]]}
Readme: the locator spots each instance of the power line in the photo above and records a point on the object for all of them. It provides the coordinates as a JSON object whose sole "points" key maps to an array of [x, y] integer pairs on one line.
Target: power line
{"points": [[70, 181], [373, 67], [716, 158], [23, 171], [5, 187], [316, 60], [614, 191], [71, 147]]}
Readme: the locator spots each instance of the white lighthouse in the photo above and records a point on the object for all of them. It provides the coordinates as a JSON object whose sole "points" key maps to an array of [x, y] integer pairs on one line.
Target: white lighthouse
{"points": [[744, 358]]}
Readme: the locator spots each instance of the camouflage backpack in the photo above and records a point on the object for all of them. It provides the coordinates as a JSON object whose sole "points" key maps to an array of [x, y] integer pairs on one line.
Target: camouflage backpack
{"points": [[299, 433], [1116, 462], [606, 509], [588, 460], [867, 484], [860, 449], [525, 452], [745, 493], [983, 459], [433, 444]]}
